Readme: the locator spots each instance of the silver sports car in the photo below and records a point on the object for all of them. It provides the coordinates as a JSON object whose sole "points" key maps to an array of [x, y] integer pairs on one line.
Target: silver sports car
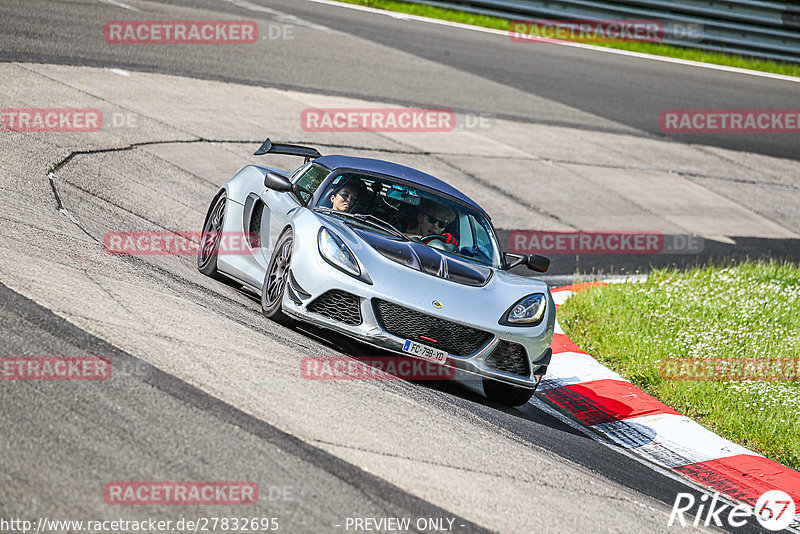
{"points": [[387, 255]]}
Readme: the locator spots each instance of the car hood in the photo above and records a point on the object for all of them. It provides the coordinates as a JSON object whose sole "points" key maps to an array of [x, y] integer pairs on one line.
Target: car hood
{"points": [[426, 259]]}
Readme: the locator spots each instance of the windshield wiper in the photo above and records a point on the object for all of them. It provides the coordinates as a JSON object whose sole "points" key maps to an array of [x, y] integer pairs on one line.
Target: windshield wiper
{"points": [[363, 217], [377, 221]]}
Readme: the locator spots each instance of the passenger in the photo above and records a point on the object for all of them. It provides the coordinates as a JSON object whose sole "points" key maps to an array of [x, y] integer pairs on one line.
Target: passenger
{"points": [[345, 197]]}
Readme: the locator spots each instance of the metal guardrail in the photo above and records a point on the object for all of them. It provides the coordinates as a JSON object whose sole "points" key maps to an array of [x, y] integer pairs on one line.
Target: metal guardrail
{"points": [[764, 30]]}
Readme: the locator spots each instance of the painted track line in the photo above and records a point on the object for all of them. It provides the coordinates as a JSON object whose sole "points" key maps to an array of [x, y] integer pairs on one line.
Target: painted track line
{"points": [[629, 53], [119, 4]]}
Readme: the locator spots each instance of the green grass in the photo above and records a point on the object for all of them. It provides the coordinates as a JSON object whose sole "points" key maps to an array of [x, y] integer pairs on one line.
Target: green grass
{"points": [[749, 310], [789, 69]]}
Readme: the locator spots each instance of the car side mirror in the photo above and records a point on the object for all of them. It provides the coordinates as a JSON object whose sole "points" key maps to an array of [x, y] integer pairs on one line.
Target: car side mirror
{"points": [[534, 262], [537, 262], [280, 183], [277, 182]]}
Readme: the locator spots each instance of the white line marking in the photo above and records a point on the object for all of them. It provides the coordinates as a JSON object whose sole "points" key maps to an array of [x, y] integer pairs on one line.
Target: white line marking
{"points": [[119, 4], [121, 72], [640, 55], [679, 434], [254, 7], [280, 16], [663, 471], [602, 438]]}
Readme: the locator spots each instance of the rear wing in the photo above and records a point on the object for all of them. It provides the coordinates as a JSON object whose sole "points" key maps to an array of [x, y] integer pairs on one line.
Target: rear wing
{"points": [[268, 147]]}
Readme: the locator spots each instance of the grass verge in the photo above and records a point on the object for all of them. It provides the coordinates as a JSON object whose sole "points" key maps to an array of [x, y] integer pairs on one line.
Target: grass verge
{"points": [[717, 58], [749, 310]]}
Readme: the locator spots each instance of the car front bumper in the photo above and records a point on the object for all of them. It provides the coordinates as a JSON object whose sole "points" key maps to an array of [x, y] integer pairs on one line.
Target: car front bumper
{"points": [[307, 284]]}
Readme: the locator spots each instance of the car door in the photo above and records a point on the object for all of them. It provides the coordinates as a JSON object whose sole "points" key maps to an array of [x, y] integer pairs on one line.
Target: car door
{"points": [[281, 206]]}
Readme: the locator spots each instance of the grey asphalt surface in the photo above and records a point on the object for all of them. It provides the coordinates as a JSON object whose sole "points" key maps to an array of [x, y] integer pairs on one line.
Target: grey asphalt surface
{"points": [[439, 66], [70, 438], [628, 91], [155, 422]]}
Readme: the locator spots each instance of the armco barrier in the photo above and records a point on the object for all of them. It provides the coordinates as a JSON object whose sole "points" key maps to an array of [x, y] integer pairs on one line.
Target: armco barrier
{"points": [[765, 30]]}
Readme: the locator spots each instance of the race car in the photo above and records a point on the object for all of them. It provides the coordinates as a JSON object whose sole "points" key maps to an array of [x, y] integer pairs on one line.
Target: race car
{"points": [[387, 255]]}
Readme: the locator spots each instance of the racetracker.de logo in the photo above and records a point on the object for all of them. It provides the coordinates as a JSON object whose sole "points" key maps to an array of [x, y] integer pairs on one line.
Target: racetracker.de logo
{"points": [[533, 241], [54, 368], [373, 368], [730, 121], [180, 32], [51, 120], [377, 120], [177, 243], [731, 369], [180, 493], [586, 31]]}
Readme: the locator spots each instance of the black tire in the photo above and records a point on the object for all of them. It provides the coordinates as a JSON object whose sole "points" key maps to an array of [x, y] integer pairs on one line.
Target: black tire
{"points": [[506, 394], [210, 238], [274, 285]]}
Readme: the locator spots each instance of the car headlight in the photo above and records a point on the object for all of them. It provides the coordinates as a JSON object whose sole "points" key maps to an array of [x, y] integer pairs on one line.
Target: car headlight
{"points": [[528, 311], [335, 252]]}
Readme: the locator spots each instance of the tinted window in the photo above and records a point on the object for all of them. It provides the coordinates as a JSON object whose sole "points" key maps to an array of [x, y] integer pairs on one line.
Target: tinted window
{"points": [[309, 177], [419, 213]]}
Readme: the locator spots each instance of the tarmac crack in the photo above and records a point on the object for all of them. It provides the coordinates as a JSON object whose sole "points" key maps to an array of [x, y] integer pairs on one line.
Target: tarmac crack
{"points": [[155, 270], [506, 194]]}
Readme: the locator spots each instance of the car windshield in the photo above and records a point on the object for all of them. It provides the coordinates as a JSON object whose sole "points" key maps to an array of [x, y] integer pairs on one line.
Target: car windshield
{"points": [[395, 209]]}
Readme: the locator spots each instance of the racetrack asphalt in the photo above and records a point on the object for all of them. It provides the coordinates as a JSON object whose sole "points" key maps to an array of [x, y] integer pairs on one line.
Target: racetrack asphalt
{"points": [[592, 107], [208, 343]]}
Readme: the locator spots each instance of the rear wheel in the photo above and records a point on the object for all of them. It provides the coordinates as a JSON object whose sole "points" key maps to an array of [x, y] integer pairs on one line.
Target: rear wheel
{"points": [[275, 280], [211, 238], [505, 393]]}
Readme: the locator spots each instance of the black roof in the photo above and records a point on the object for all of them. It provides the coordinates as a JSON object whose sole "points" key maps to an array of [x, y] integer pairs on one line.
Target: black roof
{"points": [[400, 171]]}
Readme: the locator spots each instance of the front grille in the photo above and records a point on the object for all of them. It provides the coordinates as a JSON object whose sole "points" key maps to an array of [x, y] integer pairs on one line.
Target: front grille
{"points": [[339, 306], [409, 324], [511, 358]]}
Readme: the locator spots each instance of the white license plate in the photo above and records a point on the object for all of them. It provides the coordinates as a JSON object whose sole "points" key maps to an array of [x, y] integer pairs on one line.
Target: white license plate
{"points": [[423, 351]]}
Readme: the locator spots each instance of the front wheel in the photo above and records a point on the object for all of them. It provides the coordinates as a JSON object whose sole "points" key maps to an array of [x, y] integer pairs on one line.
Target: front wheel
{"points": [[275, 280], [211, 238], [505, 393]]}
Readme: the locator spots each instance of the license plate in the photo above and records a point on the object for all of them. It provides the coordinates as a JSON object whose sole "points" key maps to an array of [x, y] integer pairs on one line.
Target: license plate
{"points": [[423, 351]]}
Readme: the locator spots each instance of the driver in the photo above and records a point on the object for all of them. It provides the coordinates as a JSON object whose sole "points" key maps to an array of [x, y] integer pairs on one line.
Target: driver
{"points": [[432, 219]]}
